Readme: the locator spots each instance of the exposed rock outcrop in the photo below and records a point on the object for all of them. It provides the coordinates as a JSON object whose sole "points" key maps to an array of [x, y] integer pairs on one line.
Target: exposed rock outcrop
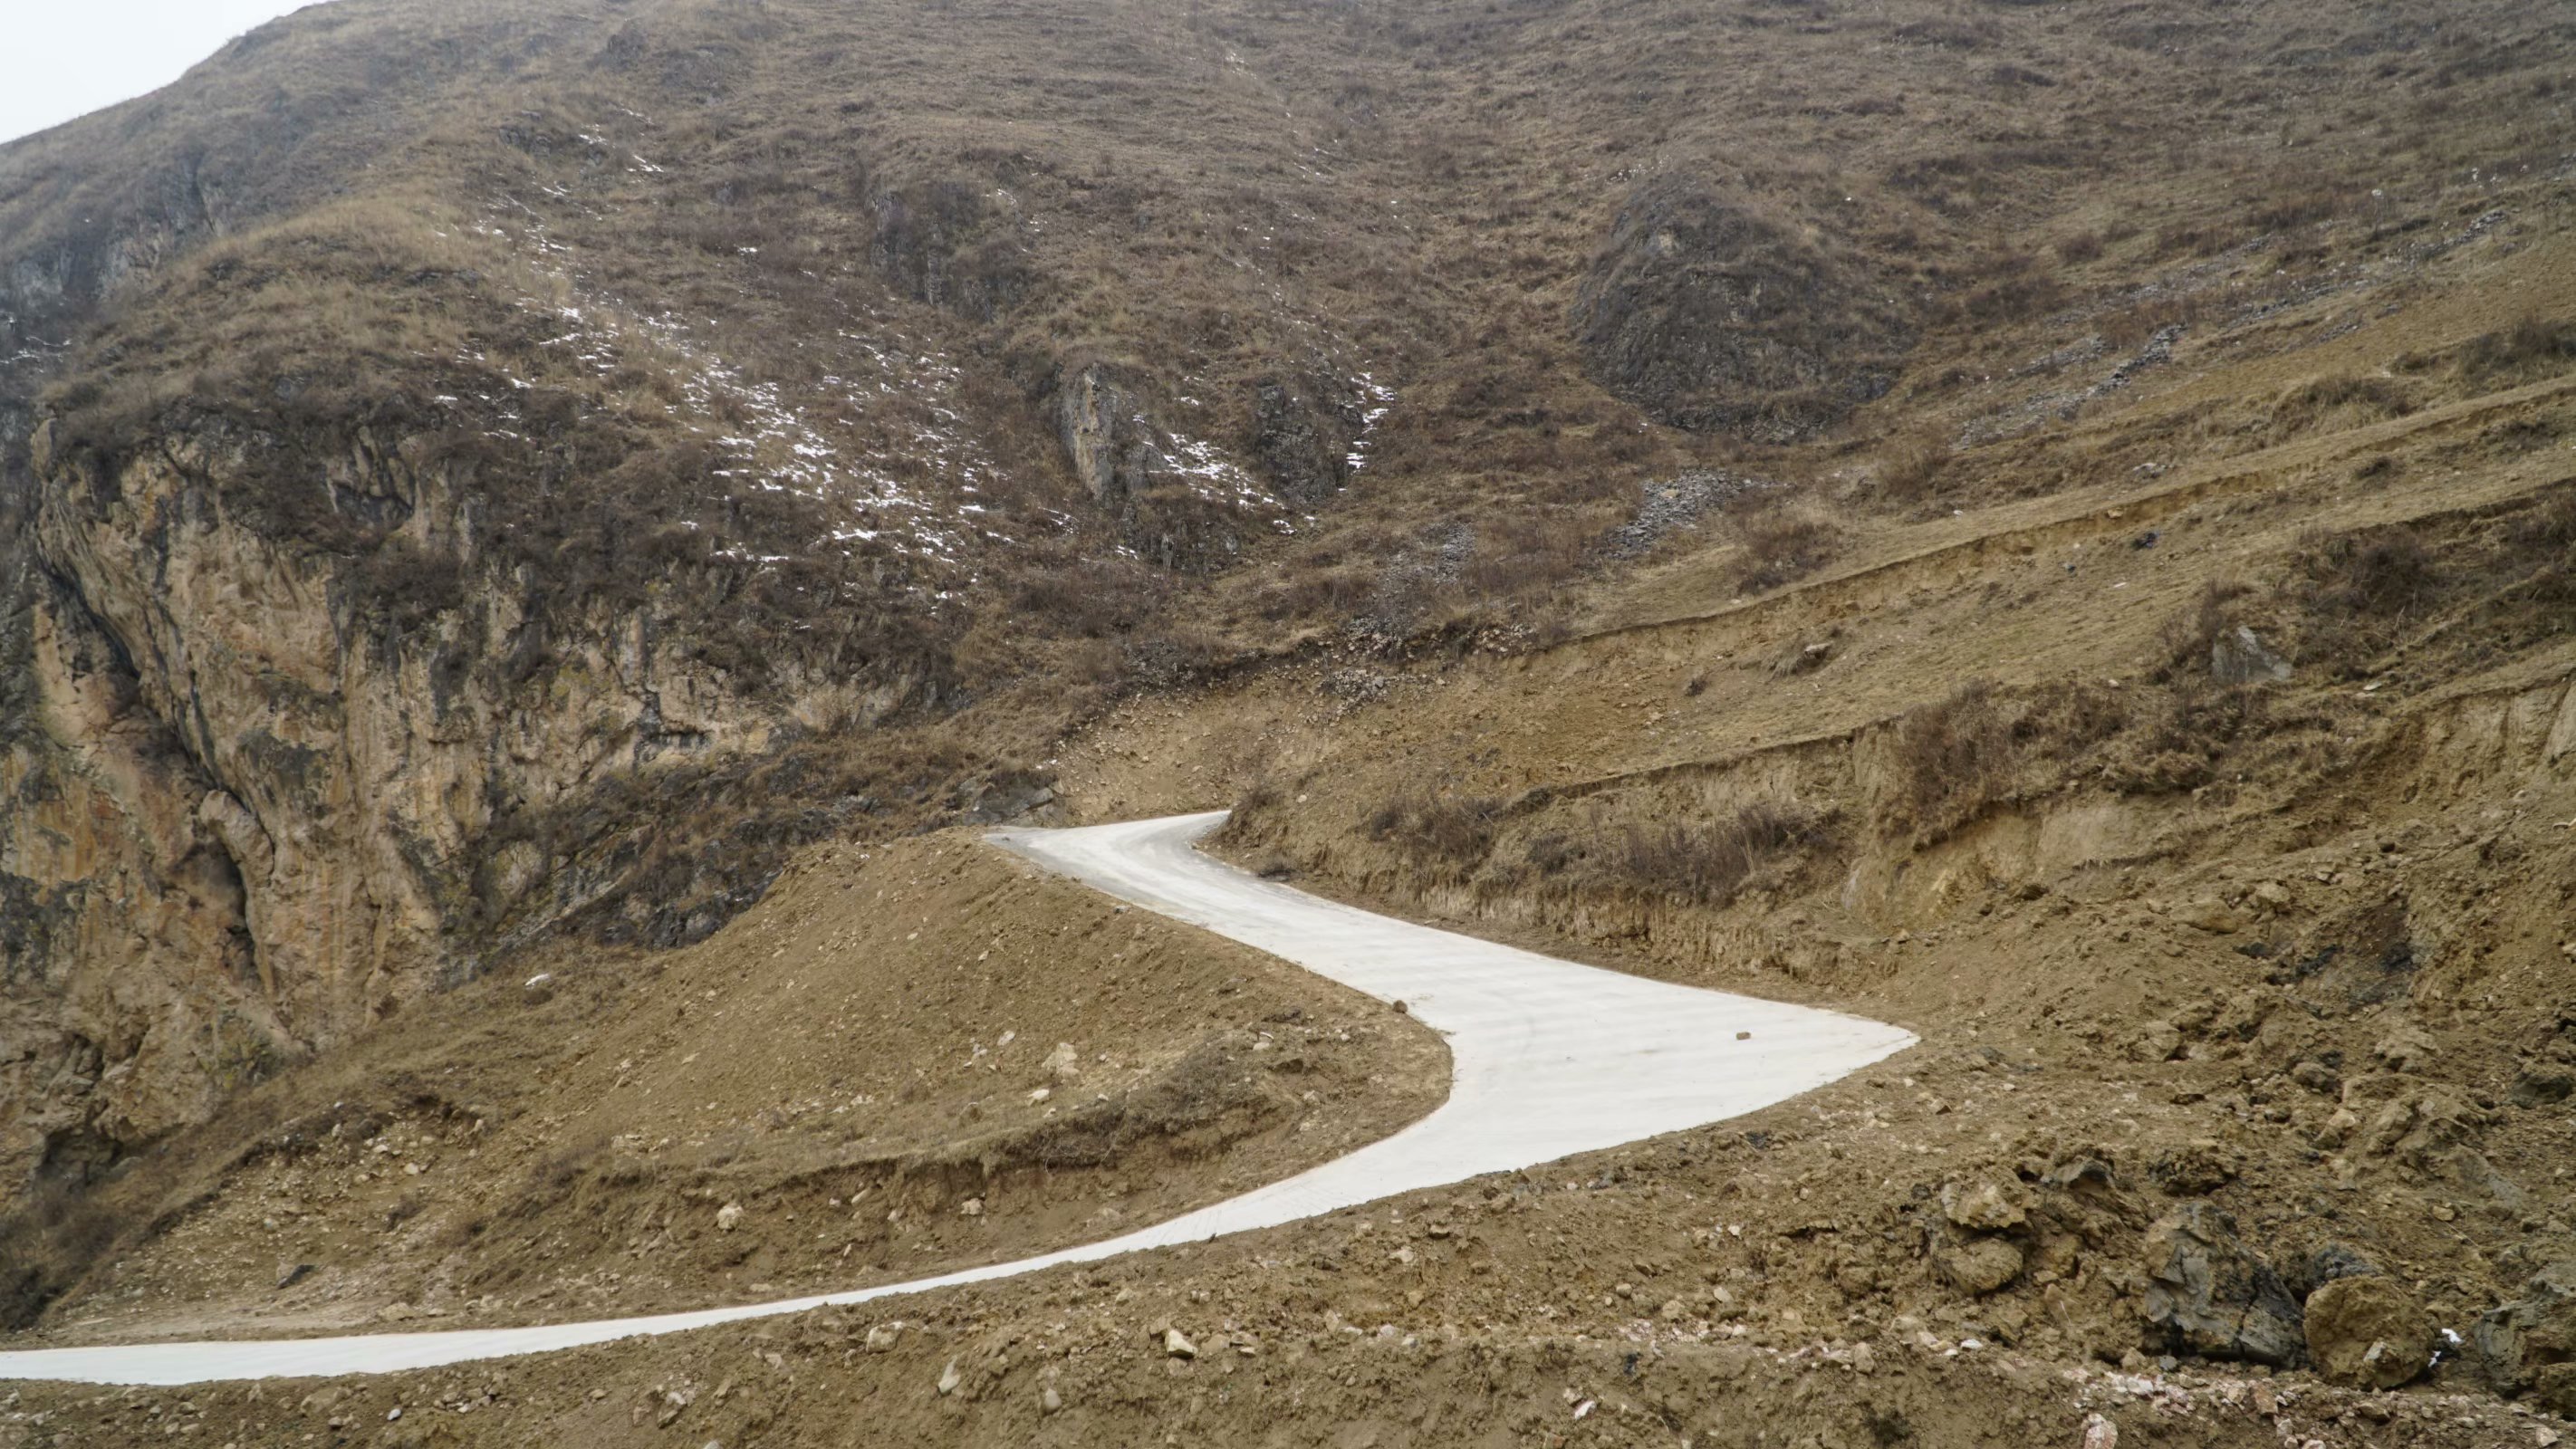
{"points": [[1714, 315], [259, 792], [2529, 1344], [2210, 1294]]}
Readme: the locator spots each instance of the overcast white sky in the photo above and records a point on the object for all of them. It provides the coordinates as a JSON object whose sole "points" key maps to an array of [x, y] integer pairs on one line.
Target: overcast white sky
{"points": [[66, 58]]}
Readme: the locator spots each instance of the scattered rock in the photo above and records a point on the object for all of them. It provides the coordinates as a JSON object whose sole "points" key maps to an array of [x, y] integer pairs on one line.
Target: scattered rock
{"points": [[1049, 1401], [729, 1217], [2271, 895], [2239, 656], [949, 1379], [2157, 1041], [2407, 1049], [2100, 1433], [539, 989], [2402, 1116], [1978, 1265], [2211, 915], [2195, 1168], [2368, 1332], [2541, 1086], [972, 1207], [2211, 1295], [2529, 1344], [1064, 1063], [883, 1336], [1985, 1204], [290, 1274], [1178, 1345]]}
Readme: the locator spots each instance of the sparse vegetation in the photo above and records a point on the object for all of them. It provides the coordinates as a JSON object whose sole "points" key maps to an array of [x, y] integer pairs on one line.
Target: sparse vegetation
{"points": [[2533, 347], [1947, 762], [1453, 830], [1912, 466], [1708, 863], [1782, 546], [2343, 399]]}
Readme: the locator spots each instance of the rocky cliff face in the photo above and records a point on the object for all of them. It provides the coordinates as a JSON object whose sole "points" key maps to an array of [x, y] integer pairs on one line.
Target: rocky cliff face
{"points": [[251, 810]]}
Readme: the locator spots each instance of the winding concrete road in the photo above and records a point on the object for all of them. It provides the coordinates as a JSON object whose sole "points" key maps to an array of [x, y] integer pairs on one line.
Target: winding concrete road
{"points": [[1551, 1059]]}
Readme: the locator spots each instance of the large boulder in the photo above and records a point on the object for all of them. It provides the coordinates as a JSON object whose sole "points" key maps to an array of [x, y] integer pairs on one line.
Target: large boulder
{"points": [[2529, 1345], [2210, 1294], [2368, 1332]]}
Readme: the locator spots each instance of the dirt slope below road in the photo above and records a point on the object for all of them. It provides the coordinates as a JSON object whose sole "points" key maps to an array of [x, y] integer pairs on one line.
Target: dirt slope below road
{"points": [[905, 1060]]}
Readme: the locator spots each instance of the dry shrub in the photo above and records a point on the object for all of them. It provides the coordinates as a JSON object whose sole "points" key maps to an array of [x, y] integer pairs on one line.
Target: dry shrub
{"points": [[2386, 574], [1947, 762], [2345, 400], [1710, 864], [2084, 246], [1913, 465], [1780, 548], [2530, 347], [1454, 830]]}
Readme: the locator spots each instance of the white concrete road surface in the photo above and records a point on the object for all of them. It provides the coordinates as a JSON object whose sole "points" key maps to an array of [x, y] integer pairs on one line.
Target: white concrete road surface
{"points": [[1551, 1059]]}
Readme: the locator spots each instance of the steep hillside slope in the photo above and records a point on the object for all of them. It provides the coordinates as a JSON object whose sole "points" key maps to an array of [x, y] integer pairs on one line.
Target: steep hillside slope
{"points": [[1745, 488]]}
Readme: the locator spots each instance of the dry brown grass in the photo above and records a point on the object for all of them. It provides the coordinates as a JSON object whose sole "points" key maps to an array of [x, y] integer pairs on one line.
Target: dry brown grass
{"points": [[2342, 400], [1709, 863], [2183, 644], [1452, 830], [1782, 546], [1913, 466], [2533, 347], [1947, 762]]}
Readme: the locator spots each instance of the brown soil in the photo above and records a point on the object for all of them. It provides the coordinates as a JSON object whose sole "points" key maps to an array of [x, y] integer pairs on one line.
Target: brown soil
{"points": [[1932, 728], [852, 1063]]}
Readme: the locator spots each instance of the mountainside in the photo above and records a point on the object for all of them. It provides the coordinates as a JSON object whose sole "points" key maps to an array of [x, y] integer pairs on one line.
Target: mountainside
{"points": [[1875, 504]]}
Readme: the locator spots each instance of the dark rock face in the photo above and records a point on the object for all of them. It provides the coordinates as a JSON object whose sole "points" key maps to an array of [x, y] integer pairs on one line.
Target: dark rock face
{"points": [[2529, 1345], [1302, 438], [1713, 316], [2210, 1294]]}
